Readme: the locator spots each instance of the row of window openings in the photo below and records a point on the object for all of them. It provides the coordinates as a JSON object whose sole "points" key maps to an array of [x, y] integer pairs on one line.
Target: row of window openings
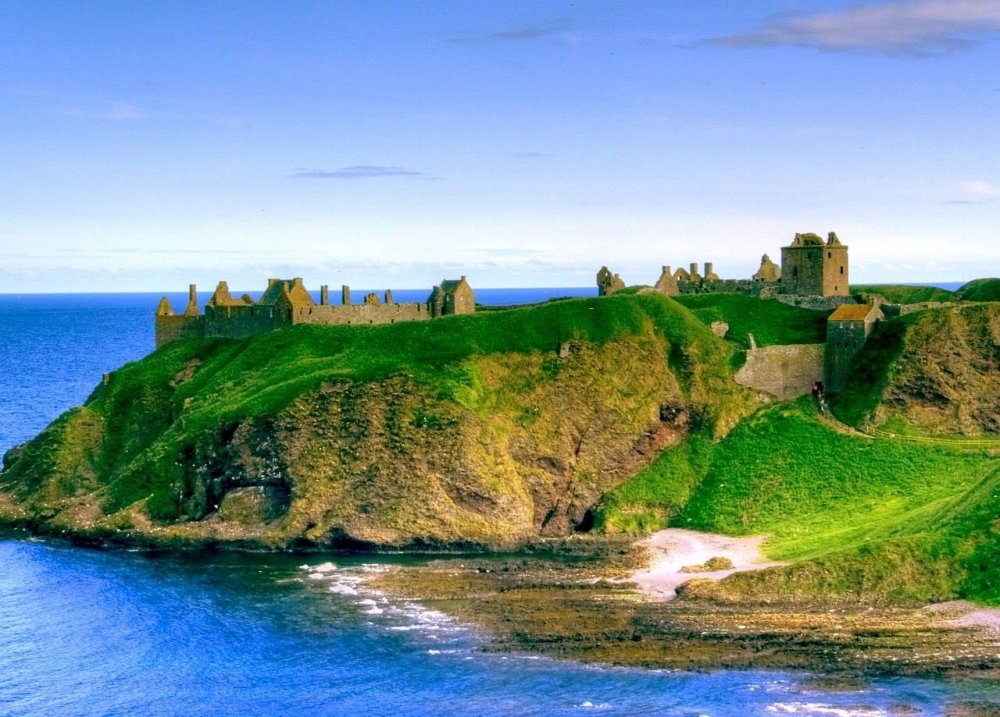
{"points": [[795, 272]]}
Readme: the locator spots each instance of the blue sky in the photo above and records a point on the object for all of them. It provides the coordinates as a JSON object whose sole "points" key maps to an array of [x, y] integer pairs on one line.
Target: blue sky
{"points": [[148, 145]]}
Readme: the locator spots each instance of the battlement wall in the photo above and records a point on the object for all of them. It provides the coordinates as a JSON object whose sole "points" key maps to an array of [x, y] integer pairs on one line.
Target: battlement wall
{"points": [[355, 314], [286, 302], [234, 322], [763, 289], [172, 328]]}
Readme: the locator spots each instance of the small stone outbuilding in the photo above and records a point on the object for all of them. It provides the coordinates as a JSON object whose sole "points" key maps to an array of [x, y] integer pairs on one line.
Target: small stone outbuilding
{"points": [[847, 329]]}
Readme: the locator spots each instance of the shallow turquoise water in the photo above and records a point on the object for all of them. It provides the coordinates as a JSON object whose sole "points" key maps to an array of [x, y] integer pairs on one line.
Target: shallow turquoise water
{"points": [[86, 632]]}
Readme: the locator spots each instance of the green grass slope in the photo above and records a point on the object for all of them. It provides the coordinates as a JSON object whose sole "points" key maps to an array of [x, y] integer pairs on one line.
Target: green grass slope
{"points": [[935, 372], [875, 518], [904, 294], [980, 290], [770, 321]]}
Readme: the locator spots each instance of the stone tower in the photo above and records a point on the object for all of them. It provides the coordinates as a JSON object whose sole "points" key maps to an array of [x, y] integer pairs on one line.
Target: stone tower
{"points": [[810, 267]]}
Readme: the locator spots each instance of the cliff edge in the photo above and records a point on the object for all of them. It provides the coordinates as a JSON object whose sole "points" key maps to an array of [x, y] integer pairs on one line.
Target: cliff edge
{"points": [[472, 431]]}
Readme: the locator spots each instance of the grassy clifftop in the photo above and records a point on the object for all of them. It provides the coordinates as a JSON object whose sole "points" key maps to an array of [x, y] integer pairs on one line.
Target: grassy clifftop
{"points": [[937, 371], [980, 290], [770, 321], [903, 293], [486, 429]]}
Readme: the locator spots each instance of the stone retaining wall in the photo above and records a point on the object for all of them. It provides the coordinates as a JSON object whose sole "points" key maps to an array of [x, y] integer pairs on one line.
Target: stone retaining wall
{"points": [[783, 371]]}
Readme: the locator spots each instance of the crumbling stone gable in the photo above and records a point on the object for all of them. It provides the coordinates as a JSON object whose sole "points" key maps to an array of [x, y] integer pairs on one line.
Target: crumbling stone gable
{"points": [[608, 283]]}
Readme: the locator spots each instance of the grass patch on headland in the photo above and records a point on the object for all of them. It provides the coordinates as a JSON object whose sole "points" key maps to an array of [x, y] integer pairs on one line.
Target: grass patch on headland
{"points": [[873, 517], [770, 321], [845, 500], [903, 294], [980, 290]]}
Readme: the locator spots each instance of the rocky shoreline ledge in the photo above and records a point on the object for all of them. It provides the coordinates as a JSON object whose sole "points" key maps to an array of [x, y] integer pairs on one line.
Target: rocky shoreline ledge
{"points": [[592, 610]]}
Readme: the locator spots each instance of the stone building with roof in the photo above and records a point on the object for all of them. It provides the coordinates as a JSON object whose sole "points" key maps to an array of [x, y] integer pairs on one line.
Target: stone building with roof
{"points": [[847, 329]]}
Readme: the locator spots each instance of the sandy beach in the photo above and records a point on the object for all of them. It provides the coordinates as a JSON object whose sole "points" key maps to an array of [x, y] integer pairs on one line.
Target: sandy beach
{"points": [[678, 556]]}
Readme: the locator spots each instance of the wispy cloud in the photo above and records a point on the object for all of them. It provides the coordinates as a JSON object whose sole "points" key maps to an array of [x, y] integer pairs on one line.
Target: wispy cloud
{"points": [[918, 28], [559, 28], [530, 155], [361, 171], [508, 252], [974, 191], [115, 112]]}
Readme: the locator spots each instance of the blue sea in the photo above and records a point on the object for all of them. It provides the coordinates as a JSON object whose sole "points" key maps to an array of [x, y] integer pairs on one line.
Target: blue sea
{"points": [[88, 632]]}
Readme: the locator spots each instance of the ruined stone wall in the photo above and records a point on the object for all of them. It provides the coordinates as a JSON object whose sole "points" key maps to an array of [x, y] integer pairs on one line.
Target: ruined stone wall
{"points": [[783, 371], [237, 322], [170, 328], [893, 310], [763, 289], [816, 303], [354, 314]]}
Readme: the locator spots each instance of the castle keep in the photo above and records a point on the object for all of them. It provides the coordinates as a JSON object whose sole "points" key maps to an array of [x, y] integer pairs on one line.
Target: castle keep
{"points": [[286, 302], [811, 268]]}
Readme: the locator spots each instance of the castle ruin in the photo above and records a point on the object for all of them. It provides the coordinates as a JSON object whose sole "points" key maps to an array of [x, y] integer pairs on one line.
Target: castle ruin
{"points": [[814, 274], [809, 268], [286, 302]]}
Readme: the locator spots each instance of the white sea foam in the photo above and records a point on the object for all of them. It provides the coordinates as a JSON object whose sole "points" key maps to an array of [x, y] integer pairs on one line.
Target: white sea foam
{"points": [[387, 613], [818, 708]]}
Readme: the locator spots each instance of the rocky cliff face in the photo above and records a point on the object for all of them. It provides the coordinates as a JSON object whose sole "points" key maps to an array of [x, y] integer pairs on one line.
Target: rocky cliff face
{"points": [[491, 450], [945, 378]]}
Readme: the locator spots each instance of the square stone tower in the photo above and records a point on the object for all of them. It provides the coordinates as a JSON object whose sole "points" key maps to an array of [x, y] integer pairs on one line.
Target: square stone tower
{"points": [[810, 267]]}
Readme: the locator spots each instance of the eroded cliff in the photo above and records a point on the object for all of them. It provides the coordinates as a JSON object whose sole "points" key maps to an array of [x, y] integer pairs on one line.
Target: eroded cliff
{"points": [[480, 431]]}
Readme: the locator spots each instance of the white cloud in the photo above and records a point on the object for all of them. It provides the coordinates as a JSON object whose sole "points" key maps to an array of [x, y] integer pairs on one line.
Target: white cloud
{"points": [[973, 191], [364, 171], [977, 189], [115, 112], [916, 27]]}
